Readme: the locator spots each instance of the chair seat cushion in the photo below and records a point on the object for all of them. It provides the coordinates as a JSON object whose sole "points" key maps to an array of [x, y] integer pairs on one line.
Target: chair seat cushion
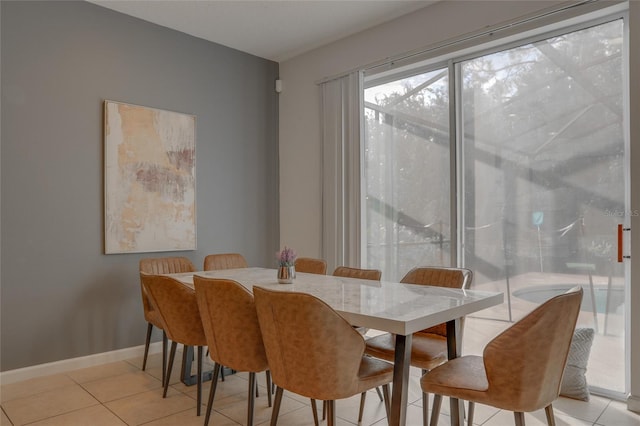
{"points": [[373, 372], [427, 350], [574, 381], [463, 378]]}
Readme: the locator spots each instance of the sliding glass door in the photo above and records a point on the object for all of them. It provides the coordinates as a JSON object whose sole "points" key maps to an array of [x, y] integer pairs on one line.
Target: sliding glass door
{"points": [[542, 173], [543, 157]]}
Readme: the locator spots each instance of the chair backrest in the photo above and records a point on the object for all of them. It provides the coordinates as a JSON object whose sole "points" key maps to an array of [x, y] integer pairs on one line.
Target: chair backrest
{"points": [[525, 363], [230, 323], [160, 265], [177, 308], [166, 265], [440, 276], [311, 265], [224, 261], [311, 349], [365, 274]]}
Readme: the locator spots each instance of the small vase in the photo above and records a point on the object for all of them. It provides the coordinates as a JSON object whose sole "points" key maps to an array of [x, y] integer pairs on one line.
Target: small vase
{"points": [[286, 274]]}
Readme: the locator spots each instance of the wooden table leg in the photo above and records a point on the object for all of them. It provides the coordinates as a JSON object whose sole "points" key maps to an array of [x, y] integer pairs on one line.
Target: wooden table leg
{"points": [[402, 362], [453, 351]]}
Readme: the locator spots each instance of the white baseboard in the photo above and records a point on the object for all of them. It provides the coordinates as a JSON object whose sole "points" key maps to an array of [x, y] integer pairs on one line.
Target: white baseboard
{"points": [[65, 365], [633, 403]]}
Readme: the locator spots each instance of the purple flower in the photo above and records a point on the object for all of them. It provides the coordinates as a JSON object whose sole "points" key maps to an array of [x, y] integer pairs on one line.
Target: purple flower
{"points": [[286, 257]]}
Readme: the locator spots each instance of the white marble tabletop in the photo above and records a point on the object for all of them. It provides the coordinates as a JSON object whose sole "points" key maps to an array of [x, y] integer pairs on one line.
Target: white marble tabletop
{"points": [[388, 306]]}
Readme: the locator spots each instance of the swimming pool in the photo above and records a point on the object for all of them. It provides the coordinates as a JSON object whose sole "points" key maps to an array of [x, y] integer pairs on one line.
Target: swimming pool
{"points": [[541, 293]]}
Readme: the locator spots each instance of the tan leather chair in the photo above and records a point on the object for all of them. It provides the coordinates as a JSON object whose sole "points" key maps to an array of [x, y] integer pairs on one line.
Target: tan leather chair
{"points": [[311, 265], [313, 351], [520, 370], [213, 262], [233, 334], [365, 274], [166, 265], [429, 346], [159, 265], [180, 318]]}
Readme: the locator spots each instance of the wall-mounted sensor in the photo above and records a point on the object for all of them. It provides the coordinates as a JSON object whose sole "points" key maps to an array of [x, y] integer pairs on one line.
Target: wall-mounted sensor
{"points": [[278, 86]]}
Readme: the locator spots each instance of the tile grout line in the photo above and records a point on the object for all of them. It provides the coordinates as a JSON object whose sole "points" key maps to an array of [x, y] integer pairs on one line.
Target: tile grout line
{"points": [[602, 412]]}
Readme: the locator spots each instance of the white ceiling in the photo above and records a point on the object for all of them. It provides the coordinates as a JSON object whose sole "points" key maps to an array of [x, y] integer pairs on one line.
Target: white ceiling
{"points": [[272, 29]]}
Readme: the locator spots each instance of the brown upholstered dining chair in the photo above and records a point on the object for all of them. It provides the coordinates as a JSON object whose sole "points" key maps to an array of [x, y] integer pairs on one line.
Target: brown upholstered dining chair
{"points": [[313, 351], [180, 318], [520, 370], [159, 265], [224, 261], [311, 265], [365, 274], [233, 334], [429, 346], [213, 262]]}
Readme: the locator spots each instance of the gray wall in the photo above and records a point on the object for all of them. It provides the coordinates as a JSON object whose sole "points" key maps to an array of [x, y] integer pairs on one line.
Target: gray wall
{"points": [[61, 297]]}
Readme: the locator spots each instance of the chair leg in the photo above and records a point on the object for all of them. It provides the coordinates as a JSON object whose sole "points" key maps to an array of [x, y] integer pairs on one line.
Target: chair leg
{"points": [[387, 401], [252, 398], [276, 406], [199, 383], [257, 390], [269, 384], [324, 410], [363, 397], [331, 413], [314, 408], [165, 343], [212, 393], [472, 407], [425, 404], [435, 412], [172, 355], [146, 346], [362, 400], [551, 419], [425, 409], [519, 416]]}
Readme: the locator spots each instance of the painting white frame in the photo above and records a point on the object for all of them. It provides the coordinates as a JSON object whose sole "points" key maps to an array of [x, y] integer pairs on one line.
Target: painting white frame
{"points": [[149, 179]]}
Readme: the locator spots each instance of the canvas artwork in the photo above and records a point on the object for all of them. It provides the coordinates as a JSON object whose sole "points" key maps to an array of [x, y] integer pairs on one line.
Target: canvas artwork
{"points": [[149, 179]]}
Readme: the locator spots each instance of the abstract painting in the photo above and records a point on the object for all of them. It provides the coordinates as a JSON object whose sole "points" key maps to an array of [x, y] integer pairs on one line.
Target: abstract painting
{"points": [[149, 179]]}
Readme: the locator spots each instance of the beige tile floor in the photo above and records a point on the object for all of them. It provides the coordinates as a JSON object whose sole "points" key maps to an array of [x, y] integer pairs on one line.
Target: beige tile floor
{"points": [[121, 394]]}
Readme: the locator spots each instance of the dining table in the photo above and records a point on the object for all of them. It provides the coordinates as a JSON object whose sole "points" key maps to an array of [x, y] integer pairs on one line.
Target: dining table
{"points": [[398, 308]]}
